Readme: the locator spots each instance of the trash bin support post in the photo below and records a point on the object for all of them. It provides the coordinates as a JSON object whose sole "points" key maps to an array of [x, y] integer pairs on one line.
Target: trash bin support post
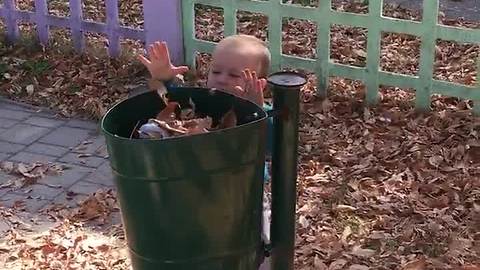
{"points": [[286, 94]]}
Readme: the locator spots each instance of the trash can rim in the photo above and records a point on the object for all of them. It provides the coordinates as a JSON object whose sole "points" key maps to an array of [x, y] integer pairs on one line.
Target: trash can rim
{"points": [[210, 133]]}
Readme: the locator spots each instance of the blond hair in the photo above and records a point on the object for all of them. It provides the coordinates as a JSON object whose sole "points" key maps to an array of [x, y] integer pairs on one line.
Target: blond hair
{"points": [[259, 46]]}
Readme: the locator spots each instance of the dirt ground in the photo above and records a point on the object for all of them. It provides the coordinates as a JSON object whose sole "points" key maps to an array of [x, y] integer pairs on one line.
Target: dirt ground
{"points": [[468, 9]]}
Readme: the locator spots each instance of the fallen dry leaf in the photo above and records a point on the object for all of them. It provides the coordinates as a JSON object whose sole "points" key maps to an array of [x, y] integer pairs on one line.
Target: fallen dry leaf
{"points": [[419, 264]]}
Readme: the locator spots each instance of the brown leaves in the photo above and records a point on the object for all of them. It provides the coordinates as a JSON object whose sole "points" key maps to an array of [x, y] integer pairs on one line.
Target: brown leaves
{"points": [[97, 207], [419, 264], [169, 112], [378, 185], [27, 174], [175, 121], [65, 245], [228, 120]]}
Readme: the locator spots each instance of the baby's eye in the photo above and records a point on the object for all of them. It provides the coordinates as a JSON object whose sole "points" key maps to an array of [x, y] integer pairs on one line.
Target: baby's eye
{"points": [[234, 75], [215, 72]]}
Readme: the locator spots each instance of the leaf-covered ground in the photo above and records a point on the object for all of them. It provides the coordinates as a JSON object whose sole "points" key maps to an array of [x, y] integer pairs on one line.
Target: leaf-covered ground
{"points": [[379, 188]]}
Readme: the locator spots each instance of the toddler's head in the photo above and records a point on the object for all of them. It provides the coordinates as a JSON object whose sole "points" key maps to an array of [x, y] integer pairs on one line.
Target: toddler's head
{"points": [[232, 56]]}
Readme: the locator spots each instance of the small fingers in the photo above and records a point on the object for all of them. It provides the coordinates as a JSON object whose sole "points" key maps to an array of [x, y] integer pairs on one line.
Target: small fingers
{"points": [[239, 90], [180, 69], [247, 78], [155, 52], [165, 52], [263, 84], [249, 75], [151, 51], [254, 76], [144, 60]]}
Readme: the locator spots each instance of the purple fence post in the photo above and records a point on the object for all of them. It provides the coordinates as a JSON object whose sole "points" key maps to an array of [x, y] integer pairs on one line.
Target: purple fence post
{"points": [[163, 22], [76, 24], [41, 12], [112, 27], [11, 21]]}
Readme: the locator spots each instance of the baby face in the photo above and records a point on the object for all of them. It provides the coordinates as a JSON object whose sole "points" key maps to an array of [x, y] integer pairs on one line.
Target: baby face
{"points": [[227, 67]]}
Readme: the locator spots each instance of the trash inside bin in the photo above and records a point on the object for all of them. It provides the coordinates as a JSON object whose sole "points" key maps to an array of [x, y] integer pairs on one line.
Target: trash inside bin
{"points": [[190, 202]]}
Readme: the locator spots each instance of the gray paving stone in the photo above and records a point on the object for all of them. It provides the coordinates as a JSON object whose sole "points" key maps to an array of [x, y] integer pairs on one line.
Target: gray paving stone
{"points": [[89, 161], [102, 151], [4, 227], [69, 201], [67, 177], [66, 136], [26, 157], [16, 106], [50, 114], [23, 134], [47, 149], [10, 148], [18, 200], [39, 191], [4, 156], [103, 175], [14, 114], [85, 188], [91, 146], [83, 124], [44, 122], [4, 178], [6, 123]]}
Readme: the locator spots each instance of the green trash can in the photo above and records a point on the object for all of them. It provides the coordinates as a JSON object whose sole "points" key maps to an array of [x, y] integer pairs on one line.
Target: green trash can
{"points": [[195, 202], [191, 202]]}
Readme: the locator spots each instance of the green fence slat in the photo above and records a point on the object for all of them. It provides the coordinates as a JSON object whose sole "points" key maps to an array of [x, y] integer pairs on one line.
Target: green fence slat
{"points": [[297, 62], [398, 80], [323, 21], [401, 26], [204, 46], [427, 54], [349, 19], [275, 34], [188, 15], [303, 13], [373, 51], [229, 17], [216, 3], [259, 7], [458, 34], [350, 72], [455, 90]]}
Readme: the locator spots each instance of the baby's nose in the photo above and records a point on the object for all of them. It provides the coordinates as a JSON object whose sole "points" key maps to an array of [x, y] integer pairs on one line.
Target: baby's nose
{"points": [[222, 81]]}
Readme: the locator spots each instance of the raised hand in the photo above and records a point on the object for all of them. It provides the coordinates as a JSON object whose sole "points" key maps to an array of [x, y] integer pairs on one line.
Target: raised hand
{"points": [[253, 87], [159, 64]]}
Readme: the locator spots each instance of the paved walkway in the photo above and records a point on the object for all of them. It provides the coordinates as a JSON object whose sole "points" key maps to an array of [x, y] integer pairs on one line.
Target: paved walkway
{"points": [[28, 135]]}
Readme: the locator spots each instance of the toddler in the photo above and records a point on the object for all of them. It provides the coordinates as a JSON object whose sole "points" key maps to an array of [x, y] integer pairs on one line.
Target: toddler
{"points": [[240, 65]]}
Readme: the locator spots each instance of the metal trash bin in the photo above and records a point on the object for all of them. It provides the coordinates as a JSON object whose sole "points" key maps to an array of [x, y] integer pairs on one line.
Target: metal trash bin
{"points": [[192, 202]]}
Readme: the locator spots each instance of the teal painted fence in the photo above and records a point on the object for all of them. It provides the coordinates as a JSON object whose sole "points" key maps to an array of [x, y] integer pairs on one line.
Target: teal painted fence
{"points": [[324, 16]]}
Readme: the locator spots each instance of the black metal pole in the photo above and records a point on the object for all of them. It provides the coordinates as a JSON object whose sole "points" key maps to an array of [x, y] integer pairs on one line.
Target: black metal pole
{"points": [[286, 93]]}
